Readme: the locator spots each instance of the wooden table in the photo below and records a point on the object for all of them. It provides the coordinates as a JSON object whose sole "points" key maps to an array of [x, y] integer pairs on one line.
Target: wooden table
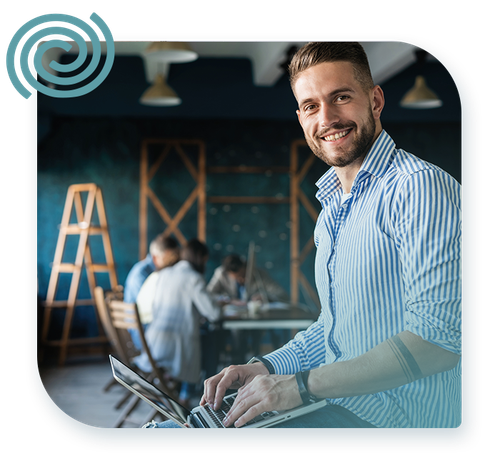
{"points": [[240, 323], [294, 317]]}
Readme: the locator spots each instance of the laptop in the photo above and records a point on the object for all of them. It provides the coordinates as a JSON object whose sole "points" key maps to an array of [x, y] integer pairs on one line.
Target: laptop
{"points": [[203, 417]]}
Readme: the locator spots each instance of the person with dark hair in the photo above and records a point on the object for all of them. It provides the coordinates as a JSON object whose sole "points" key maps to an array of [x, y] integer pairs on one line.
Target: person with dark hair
{"points": [[195, 253], [229, 279], [229, 285], [180, 302]]}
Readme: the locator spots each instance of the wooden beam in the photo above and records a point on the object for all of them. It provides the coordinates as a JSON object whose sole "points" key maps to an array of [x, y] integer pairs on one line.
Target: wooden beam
{"points": [[295, 224], [146, 193], [143, 202], [154, 168], [247, 169], [202, 194], [242, 199]]}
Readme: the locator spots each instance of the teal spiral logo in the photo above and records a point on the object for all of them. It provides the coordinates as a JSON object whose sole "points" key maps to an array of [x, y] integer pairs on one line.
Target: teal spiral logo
{"points": [[81, 75]]}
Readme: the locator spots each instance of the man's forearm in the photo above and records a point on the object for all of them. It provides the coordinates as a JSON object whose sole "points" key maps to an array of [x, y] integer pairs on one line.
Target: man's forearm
{"points": [[402, 359]]}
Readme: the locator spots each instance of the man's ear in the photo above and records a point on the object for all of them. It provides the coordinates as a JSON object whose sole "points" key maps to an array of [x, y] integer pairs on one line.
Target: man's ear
{"points": [[298, 116], [378, 101]]}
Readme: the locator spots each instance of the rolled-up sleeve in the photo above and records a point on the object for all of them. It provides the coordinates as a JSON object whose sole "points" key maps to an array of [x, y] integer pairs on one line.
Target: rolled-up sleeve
{"points": [[427, 230], [305, 351]]}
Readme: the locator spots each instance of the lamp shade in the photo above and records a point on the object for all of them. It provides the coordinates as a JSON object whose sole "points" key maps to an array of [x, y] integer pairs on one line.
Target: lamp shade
{"points": [[420, 96], [160, 94], [172, 52]]}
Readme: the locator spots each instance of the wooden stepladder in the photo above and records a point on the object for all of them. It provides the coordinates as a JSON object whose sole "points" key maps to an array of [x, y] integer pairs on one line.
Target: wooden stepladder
{"points": [[84, 228]]}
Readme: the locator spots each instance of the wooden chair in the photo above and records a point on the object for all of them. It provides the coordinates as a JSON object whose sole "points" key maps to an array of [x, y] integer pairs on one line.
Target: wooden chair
{"points": [[117, 319], [120, 340]]}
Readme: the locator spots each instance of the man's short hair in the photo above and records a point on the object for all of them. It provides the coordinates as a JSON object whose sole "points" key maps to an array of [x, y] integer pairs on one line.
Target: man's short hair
{"points": [[161, 244], [315, 53], [195, 252]]}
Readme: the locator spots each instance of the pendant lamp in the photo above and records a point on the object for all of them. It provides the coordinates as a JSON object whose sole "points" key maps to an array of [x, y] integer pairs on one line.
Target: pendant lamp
{"points": [[160, 94], [171, 52], [420, 96]]}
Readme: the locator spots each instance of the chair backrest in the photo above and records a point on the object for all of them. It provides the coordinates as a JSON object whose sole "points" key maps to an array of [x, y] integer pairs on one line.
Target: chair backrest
{"points": [[120, 339], [120, 317], [116, 293]]}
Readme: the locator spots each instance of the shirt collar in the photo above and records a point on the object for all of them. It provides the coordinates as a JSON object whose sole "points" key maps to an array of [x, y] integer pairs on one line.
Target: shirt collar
{"points": [[375, 163]]}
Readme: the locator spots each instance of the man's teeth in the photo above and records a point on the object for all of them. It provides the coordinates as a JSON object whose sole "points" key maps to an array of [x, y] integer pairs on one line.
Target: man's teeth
{"points": [[336, 136]]}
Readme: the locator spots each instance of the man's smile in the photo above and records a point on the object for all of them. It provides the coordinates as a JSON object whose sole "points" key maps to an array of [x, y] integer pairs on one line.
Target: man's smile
{"points": [[335, 136]]}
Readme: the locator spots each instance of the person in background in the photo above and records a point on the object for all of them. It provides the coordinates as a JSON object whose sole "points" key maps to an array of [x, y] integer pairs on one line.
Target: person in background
{"points": [[228, 283], [180, 305], [163, 251]]}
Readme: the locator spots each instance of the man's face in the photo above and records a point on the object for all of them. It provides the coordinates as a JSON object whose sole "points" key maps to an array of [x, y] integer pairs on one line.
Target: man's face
{"points": [[340, 119]]}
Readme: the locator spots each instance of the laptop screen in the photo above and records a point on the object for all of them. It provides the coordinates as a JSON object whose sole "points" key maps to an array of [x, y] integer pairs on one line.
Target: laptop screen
{"points": [[148, 391]]}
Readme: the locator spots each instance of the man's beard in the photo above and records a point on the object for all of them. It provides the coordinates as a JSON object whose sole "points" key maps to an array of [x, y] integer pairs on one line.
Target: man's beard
{"points": [[359, 148]]}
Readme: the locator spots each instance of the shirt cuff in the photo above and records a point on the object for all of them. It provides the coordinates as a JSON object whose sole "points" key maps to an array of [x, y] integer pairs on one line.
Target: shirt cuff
{"points": [[284, 361]]}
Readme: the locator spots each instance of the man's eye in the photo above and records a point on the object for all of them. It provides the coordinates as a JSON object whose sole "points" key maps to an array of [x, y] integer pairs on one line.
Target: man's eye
{"points": [[309, 107], [342, 98]]}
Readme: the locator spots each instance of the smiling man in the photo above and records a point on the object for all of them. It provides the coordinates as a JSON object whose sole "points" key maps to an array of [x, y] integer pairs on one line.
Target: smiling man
{"points": [[385, 350], [340, 116]]}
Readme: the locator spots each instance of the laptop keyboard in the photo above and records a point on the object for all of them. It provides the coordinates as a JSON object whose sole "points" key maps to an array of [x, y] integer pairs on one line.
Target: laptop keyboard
{"points": [[219, 415]]}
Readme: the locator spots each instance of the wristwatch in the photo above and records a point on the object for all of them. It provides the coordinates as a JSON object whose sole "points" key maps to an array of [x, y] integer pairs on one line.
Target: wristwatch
{"points": [[264, 361], [304, 392]]}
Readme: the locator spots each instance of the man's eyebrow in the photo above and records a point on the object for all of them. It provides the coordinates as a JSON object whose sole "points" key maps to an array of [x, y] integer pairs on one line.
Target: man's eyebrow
{"points": [[341, 90], [331, 94]]}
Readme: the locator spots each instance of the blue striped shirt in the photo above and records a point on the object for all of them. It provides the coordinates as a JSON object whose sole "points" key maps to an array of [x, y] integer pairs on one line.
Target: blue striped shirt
{"points": [[388, 260]]}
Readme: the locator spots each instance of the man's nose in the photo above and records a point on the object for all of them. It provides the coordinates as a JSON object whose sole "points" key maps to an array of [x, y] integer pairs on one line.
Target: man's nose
{"points": [[329, 115]]}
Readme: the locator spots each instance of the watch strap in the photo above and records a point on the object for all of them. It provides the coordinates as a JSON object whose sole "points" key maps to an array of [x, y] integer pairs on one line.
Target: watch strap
{"points": [[301, 378], [264, 361]]}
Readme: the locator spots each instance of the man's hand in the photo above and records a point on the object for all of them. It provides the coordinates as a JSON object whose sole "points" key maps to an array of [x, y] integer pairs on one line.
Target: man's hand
{"points": [[263, 393], [258, 392], [231, 377]]}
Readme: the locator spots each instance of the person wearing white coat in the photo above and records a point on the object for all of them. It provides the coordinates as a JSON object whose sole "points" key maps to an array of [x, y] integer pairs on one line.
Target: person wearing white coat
{"points": [[179, 302]]}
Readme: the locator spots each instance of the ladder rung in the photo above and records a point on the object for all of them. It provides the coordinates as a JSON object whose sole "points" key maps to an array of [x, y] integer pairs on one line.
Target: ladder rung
{"points": [[70, 267], [65, 267], [75, 229], [100, 267], [83, 187]]}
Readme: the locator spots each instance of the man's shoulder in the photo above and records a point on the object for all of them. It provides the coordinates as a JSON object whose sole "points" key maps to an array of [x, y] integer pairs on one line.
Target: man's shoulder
{"points": [[408, 163], [144, 266], [406, 166]]}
